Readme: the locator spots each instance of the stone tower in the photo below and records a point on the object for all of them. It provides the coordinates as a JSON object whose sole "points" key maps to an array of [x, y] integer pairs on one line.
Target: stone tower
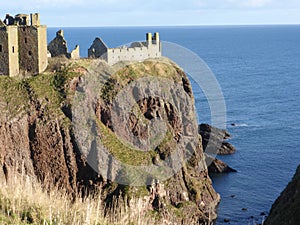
{"points": [[23, 42]]}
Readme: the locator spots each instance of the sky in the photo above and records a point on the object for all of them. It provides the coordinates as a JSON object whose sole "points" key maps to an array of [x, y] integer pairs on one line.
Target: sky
{"points": [[98, 13]]}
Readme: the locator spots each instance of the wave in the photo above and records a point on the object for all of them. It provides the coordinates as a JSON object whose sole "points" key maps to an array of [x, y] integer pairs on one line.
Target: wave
{"points": [[238, 125]]}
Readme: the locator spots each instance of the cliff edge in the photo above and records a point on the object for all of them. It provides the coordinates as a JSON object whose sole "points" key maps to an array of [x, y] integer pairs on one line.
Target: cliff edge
{"points": [[37, 135], [286, 209]]}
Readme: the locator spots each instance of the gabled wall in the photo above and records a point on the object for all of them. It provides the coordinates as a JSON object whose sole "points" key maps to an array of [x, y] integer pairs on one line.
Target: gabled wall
{"points": [[98, 49]]}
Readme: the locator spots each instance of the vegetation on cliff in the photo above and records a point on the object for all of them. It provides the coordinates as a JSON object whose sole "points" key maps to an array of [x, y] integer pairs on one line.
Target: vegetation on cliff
{"points": [[23, 200], [37, 136]]}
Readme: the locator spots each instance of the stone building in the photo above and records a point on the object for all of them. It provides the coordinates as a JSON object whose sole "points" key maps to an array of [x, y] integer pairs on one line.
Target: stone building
{"points": [[58, 47], [23, 45], [137, 51]]}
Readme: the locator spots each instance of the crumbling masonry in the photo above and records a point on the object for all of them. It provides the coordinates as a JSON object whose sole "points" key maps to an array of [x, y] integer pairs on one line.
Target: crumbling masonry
{"points": [[137, 51], [58, 47], [23, 45], [24, 51]]}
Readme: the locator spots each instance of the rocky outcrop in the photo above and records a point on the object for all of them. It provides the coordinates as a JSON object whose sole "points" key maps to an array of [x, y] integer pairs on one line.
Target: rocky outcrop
{"points": [[286, 209], [37, 136], [214, 143], [217, 166], [214, 140]]}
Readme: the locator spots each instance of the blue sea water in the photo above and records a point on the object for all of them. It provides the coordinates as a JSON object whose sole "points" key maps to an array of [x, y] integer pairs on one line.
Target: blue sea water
{"points": [[258, 69]]}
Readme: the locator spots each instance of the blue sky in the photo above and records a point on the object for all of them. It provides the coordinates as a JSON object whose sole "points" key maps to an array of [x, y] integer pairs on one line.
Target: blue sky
{"points": [[84, 13]]}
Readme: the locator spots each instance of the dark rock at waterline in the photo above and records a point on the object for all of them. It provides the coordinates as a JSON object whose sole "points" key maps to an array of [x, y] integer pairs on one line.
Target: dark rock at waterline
{"points": [[213, 140], [286, 209], [217, 166], [206, 128], [226, 149]]}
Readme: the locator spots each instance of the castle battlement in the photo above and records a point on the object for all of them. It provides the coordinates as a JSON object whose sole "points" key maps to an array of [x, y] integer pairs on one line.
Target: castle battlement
{"points": [[137, 51], [23, 45]]}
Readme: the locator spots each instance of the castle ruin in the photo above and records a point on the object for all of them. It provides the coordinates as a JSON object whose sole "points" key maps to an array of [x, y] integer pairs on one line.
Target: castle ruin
{"points": [[23, 45], [137, 51], [24, 50], [58, 47]]}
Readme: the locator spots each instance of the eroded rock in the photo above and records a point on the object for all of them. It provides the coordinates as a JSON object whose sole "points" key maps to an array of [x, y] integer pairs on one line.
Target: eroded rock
{"points": [[214, 143], [217, 166], [286, 209], [214, 140]]}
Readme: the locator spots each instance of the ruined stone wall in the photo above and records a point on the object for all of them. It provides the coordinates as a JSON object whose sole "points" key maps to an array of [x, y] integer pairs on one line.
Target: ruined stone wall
{"points": [[33, 49], [75, 54], [137, 51], [9, 58], [28, 42], [35, 19], [58, 47], [4, 65], [98, 49], [115, 55]]}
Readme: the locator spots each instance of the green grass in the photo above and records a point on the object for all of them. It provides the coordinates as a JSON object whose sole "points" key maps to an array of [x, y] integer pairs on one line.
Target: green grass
{"points": [[132, 72], [13, 96], [46, 93], [123, 151], [51, 90]]}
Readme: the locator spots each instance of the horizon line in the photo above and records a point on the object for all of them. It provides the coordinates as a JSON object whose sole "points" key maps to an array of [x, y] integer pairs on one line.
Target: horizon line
{"points": [[182, 25]]}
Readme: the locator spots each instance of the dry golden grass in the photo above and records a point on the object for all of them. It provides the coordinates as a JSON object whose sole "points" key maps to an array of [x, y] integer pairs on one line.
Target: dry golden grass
{"points": [[23, 200]]}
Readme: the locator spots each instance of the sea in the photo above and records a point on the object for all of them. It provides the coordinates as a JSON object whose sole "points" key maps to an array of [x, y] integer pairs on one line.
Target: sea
{"points": [[258, 70]]}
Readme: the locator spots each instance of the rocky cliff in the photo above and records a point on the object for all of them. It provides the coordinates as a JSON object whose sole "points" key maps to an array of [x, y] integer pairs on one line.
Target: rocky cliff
{"points": [[37, 134], [286, 209]]}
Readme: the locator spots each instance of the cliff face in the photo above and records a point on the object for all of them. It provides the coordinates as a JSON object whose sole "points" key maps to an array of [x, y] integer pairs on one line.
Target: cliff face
{"points": [[286, 209], [36, 134]]}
